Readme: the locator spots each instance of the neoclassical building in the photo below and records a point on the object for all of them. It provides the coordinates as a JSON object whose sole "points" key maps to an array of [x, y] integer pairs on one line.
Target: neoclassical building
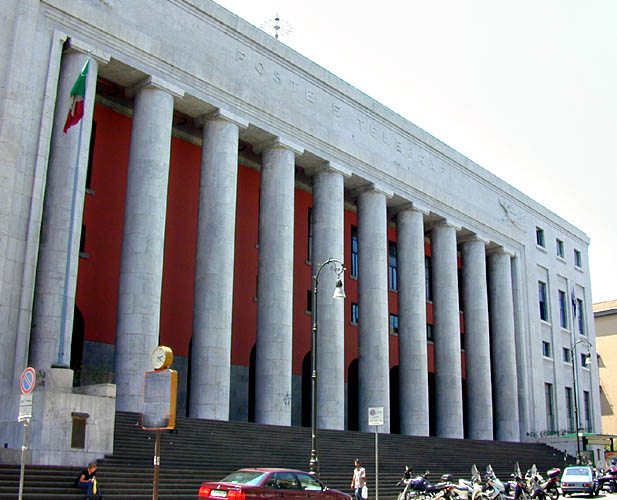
{"points": [[213, 173]]}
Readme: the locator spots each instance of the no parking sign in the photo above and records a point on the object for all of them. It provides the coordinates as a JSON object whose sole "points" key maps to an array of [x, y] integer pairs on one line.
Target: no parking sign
{"points": [[28, 380], [27, 383]]}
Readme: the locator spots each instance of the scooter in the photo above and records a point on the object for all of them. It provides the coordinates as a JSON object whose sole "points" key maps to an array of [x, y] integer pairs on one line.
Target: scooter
{"points": [[607, 480], [472, 489], [495, 489], [517, 488], [535, 484], [551, 484]]}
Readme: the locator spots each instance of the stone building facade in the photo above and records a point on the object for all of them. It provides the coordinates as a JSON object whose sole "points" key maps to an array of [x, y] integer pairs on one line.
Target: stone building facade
{"points": [[605, 316], [214, 135]]}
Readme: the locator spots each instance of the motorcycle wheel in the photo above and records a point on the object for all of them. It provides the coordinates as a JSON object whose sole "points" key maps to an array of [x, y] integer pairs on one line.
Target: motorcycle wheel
{"points": [[611, 487], [553, 494]]}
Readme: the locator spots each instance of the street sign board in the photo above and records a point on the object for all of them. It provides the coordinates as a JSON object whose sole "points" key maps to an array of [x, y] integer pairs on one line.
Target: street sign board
{"points": [[375, 415], [160, 389], [25, 407], [27, 382]]}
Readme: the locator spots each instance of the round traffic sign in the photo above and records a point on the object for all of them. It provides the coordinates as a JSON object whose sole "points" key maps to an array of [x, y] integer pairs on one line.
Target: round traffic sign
{"points": [[27, 380]]}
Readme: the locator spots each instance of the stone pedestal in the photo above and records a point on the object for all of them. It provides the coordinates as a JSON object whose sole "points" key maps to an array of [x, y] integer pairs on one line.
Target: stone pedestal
{"points": [[55, 404]]}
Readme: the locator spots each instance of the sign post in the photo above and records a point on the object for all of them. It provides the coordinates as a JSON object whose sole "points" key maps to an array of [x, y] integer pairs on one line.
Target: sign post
{"points": [[27, 383], [160, 395], [375, 417]]}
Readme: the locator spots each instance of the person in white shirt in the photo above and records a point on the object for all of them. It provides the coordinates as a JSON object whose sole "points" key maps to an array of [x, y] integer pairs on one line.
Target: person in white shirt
{"points": [[358, 481]]}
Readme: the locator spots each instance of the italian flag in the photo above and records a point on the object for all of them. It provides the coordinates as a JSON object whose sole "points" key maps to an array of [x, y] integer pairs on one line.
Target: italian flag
{"points": [[78, 93]]}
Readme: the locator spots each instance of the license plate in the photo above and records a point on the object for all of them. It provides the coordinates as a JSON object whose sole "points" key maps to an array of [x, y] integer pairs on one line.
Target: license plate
{"points": [[218, 493]]}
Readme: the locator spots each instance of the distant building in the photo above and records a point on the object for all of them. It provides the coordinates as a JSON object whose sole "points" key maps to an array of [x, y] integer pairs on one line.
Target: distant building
{"points": [[605, 315], [213, 172]]}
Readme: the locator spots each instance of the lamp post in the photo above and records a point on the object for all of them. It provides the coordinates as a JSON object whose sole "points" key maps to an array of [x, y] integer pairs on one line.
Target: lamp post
{"points": [[339, 293], [575, 384]]}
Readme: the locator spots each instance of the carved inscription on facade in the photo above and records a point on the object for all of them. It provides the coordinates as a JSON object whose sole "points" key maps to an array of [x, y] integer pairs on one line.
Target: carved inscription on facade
{"points": [[401, 152]]}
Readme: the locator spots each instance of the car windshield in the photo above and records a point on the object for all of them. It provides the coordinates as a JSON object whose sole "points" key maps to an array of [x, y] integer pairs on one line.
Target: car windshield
{"points": [[247, 477], [577, 471]]}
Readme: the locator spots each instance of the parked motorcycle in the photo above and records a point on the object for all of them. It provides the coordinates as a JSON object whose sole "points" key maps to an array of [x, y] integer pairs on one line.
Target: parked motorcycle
{"points": [[419, 487], [472, 489], [551, 483], [517, 489], [607, 479], [495, 489], [541, 488]]}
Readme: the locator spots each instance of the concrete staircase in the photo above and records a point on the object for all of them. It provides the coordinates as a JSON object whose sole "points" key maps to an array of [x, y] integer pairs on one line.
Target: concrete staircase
{"points": [[203, 450]]}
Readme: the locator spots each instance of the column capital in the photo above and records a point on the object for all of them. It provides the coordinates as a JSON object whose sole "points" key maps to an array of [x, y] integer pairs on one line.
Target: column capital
{"points": [[373, 186], [279, 143], [222, 114], [328, 167], [157, 83], [500, 250], [411, 206], [76, 45], [446, 222], [475, 237]]}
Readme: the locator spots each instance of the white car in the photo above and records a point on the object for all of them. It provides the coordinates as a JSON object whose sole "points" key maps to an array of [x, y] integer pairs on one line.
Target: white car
{"points": [[579, 479]]}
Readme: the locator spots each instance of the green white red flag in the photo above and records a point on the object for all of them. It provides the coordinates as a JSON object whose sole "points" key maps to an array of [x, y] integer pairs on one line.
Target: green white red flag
{"points": [[78, 94]]}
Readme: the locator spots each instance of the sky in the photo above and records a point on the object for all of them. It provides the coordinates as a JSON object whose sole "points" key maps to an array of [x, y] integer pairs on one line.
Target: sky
{"points": [[527, 89]]}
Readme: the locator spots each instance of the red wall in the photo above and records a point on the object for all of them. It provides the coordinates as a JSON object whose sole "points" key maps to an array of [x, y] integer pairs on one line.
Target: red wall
{"points": [[98, 278]]}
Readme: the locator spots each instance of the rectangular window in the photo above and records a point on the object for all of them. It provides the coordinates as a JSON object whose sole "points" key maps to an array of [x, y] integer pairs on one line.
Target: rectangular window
{"points": [[550, 410], [559, 249], [354, 252], [428, 278], [567, 355], [563, 310], [309, 250], [585, 359], [392, 268], [578, 259], [543, 303], [570, 409], [82, 240], [393, 324], [354, 314], [78, 431], [540, 237], [546, 349], [587, 410], [309, 301], [580, 314], [90, 157], [429, 332]]}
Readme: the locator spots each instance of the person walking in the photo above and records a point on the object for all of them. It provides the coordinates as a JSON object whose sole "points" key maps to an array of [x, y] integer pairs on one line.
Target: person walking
{"points": [[358, 481]]}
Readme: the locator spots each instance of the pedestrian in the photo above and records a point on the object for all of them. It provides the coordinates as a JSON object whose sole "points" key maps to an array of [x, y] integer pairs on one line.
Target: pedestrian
{"points": [[87, 480], [358, 481]]}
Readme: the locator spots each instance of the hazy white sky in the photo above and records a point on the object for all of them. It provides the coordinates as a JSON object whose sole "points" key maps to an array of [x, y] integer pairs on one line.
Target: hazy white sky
{"points": [[527, 89]]}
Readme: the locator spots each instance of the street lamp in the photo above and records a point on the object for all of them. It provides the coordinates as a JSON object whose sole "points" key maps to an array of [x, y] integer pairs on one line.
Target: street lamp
{"points": [[339, 293], [575, 383]]}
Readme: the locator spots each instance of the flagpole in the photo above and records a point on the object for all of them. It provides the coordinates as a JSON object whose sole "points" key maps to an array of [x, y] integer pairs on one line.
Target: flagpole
{"points": [[67, 270]]}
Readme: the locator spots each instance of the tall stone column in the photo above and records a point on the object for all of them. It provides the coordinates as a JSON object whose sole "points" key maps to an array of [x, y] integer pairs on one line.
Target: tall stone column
{"points": [[56, 274], [479, 403], [275, 286], [373, 342], [446, 332], [329, 241], [141, 266], [413, 355], [214, 265], [503, 347]]}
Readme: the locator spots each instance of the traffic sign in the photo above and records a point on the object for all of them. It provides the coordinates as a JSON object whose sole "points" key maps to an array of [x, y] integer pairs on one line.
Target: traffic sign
{"points": [[28, 380], [375, 415]]}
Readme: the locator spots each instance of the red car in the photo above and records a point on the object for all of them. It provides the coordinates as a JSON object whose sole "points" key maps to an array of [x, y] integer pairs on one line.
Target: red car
{"points": [[265, 484]]}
